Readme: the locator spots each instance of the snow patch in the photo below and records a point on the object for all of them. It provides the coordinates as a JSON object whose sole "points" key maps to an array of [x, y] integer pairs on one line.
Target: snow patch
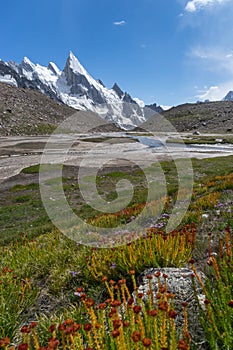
{"points": [[139, 102]]}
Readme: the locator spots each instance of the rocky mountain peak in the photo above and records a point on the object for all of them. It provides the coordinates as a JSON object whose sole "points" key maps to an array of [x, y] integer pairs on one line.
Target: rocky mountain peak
{"points": [[229, 96], [127, 98], [100, 82], [74, 64], [118, 90], [27, 64], [53, 68], [75, 87]]}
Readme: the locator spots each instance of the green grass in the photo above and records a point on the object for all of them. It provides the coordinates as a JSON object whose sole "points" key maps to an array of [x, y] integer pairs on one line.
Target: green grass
{"points": [[22, 211], [33, 169], [200, 139], [56, 266]]}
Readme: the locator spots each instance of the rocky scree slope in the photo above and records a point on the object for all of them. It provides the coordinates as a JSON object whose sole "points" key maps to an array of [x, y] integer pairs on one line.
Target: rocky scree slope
{"points": [[27, 112], [205, 117]]}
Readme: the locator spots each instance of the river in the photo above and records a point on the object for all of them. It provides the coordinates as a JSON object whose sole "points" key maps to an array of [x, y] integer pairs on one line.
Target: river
{"points": [[17, 153]]}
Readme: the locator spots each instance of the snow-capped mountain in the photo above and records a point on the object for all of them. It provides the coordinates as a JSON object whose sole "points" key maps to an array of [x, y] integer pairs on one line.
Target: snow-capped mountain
{"points": [[229, 96], [75, 87]]}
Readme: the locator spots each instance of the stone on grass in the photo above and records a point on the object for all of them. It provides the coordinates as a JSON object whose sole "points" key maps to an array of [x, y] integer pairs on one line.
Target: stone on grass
{"points": [[179, 282]]}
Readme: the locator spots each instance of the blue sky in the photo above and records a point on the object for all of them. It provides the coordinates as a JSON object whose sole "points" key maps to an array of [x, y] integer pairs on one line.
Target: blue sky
{"points": [[163, 51]]}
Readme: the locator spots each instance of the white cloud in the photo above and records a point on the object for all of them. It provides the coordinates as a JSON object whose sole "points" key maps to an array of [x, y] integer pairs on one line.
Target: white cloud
{"points": [[119, 23], [215, 93], [195, 5], [215, 58]]}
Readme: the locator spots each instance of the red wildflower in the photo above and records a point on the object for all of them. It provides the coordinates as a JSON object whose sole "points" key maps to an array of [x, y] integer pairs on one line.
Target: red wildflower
{"points": [[25, 329], [137, 309], [69, 330], [116, 324], [149, 277], [53, 343], [115, 303], [87, 327], [130, 301], [136, 336], [163, 305], [182, 345], [68, 322], [23, 346], [89, 302], [152, 313], [172, 314], [102, 306], [52, 328], [33, 325], [146, 342], [4, 342], [115, 333]]}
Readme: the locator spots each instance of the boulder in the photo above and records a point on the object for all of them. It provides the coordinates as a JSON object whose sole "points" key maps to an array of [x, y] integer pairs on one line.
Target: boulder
{"points": [[180, 282]]}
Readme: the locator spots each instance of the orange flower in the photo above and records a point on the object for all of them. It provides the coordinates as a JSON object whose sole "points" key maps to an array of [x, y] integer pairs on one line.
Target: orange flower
{"points": [[102, 306], [76, 327], [182, 345], [163, 305], [53, 343], [146, 342], [122, 281], [4, 342], [89, 302], [68, 322], [149, 277]]}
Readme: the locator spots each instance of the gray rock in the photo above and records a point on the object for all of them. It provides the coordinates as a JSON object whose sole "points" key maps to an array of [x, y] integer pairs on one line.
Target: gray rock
{"points": [[118, 90], [179, 282]]}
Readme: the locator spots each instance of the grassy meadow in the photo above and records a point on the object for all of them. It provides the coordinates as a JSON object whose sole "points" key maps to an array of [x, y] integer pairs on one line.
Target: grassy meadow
{"points": [[58, 294]]}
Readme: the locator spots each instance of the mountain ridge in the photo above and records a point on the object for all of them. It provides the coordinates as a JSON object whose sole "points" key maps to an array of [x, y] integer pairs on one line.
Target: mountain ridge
{"points": [[204, 117], [75, 87], [29, 112]]}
